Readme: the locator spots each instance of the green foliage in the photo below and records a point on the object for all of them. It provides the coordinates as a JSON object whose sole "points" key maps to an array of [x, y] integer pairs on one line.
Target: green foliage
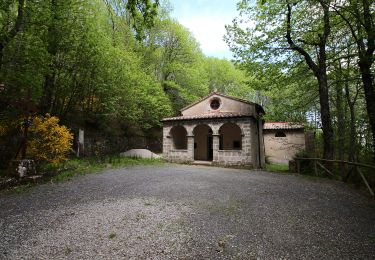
{"points": [[173, 56], [112, 67], [287, 86], [223, 76]]}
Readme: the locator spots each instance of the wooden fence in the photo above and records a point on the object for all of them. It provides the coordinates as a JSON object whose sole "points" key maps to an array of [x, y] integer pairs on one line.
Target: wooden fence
{"points": [[353, 167]]}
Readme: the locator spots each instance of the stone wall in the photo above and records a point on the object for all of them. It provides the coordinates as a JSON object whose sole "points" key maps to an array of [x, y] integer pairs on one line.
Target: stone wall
{"points": [[232, 158], [247, 156], [281, 150]]}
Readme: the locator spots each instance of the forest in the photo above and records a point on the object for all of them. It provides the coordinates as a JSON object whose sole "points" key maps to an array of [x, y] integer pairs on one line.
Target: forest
{"points": [[115, 68]]}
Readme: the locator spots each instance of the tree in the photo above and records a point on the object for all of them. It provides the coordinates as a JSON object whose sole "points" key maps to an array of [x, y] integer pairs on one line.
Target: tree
{"points": [[267, 41], [225, 77], [359, 18], [173, 55]]}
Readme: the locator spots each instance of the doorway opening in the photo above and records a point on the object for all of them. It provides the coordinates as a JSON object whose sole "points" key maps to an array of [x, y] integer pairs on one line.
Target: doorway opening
{"points": [[203, 143]]}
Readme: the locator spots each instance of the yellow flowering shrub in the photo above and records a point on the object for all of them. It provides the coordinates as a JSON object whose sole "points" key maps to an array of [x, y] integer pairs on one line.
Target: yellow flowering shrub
{"points": [[49, 141]]}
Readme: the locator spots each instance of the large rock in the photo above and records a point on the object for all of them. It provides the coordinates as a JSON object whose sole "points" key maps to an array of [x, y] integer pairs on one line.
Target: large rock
{"points": [[140, 153]]}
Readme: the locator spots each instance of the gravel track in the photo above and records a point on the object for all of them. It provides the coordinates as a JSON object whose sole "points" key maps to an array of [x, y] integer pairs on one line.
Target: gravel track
{"points": [[188, 212]]}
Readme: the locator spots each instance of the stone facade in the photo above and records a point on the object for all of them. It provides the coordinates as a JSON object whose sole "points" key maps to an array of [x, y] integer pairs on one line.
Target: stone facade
{"points": [[243, 157], [283, 141], [222, 148]]}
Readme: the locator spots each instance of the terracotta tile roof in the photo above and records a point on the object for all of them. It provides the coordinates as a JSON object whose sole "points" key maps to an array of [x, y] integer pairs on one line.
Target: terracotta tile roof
{"points": [[282, 125], [206, 116]]}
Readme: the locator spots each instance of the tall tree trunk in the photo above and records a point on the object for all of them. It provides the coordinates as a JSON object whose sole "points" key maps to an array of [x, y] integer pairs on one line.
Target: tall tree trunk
{"points": [[49, 82], [341, 129], [364, 67], [353, 134], [325, 116], [361, 25], [319, 69]]}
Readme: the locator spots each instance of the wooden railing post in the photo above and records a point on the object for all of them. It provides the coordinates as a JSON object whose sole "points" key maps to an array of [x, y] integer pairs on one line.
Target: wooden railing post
{"points": [[298, 166], [315, 168], [365, 181]]}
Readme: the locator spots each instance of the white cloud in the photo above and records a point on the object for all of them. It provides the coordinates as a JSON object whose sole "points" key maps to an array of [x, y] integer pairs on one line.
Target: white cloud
{"points": [[207, 23], [209, 32]]}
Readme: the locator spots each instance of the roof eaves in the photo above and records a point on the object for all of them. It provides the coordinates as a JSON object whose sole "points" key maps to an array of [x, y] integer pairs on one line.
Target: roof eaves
{"points": [[202, 117]]}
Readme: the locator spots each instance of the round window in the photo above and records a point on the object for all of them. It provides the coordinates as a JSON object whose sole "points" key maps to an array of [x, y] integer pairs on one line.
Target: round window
{"points": [[215, 104]]}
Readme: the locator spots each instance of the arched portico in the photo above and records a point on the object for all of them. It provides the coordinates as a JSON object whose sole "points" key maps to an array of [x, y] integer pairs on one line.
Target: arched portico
{"points": [[178, 135], [224, 141], [230, 135]]}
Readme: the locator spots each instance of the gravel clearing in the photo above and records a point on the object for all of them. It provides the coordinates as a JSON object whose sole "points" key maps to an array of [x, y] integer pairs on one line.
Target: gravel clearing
{"points": [[188, 212]]}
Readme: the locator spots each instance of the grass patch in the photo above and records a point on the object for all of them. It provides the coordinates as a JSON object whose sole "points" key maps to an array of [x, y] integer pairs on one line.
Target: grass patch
{"points": [[22, 188], [277, 168], [112, 236], [75, 167]]}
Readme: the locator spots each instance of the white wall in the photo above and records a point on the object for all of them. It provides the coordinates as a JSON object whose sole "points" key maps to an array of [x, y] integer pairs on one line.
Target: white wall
{"points": [[282, 149]]}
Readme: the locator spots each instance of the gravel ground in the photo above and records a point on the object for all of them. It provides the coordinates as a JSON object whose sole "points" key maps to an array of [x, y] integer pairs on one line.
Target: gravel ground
{"points": [[188, 212]]}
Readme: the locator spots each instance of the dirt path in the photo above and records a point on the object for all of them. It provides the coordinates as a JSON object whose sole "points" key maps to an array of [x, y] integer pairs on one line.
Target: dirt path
{"points": [[188, 212]]}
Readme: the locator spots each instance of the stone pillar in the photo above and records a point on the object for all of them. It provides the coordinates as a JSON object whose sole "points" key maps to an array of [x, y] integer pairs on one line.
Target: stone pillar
{"points": [[166, 142], [247, 144], [261, 144], [215, 147], [190, 147]]}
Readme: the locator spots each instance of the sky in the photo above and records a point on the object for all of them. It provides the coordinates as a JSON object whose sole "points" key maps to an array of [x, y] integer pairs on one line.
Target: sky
{"points": [[206, 20]]}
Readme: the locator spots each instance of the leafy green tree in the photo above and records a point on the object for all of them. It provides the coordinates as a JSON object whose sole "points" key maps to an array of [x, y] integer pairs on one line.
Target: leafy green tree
{"points": [[276, 37], [172, 54], [225, 77]]}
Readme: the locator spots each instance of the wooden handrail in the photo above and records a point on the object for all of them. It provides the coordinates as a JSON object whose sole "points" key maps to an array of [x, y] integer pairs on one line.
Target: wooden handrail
{"points": [[355, 164], [339, 161]]}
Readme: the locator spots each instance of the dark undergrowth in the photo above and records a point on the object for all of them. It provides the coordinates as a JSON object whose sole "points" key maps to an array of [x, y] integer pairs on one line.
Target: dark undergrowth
{"points": [[76, 167]]}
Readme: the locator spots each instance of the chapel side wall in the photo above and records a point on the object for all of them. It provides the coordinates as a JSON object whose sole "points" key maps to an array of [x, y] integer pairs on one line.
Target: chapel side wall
{"points": [[282, 149]]}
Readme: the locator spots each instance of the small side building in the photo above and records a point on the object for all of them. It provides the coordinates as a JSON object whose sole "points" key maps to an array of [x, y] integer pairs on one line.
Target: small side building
{"points": [[282, 141], [217, 129]]}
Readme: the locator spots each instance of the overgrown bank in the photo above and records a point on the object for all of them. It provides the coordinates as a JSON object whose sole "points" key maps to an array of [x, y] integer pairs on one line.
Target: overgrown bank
{"points": [[72, 168]]}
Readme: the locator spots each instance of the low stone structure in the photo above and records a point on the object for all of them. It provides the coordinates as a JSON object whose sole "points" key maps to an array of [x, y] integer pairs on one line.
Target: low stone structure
{"points": [[220, 129], [282, 141]]}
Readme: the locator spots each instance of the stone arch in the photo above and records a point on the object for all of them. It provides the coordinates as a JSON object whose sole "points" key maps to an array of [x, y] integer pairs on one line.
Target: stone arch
{"points": [[230, 137], [203, 142], [178, 134]]}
